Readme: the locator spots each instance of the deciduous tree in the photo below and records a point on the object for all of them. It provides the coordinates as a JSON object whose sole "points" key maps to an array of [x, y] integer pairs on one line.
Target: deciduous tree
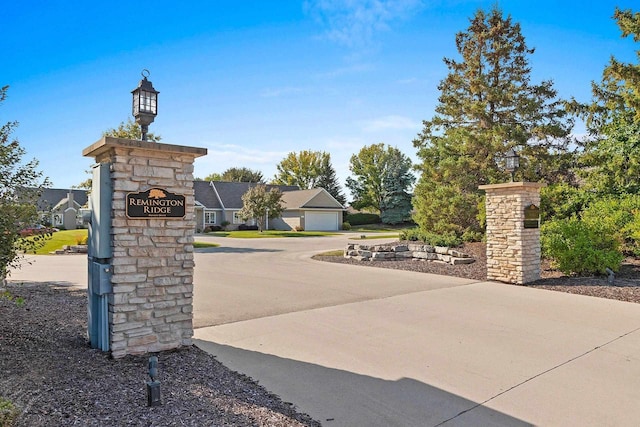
{"points": [[309, 169], [382, 180], [130, 130], [241, 175], [259, 204], [20, 186]]}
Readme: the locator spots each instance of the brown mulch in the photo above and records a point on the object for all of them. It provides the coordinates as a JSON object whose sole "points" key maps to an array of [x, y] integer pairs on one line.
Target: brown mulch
{"points": [[48, 370], [626, 285]]}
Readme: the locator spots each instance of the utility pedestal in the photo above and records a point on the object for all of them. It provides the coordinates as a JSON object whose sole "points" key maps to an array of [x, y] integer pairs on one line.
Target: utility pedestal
{"points": [[141, 246], [513, 233]]}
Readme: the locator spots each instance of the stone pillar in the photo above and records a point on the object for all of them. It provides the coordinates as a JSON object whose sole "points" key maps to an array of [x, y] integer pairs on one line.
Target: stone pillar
{"points": [[513, 250], [150, 307]]}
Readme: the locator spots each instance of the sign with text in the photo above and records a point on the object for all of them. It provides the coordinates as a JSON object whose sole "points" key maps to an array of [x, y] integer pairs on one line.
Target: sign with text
{"points": [[155, 203]]}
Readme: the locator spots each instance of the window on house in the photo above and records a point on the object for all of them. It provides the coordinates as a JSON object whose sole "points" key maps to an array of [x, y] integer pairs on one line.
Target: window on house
{"points": [[210, 217], [236, 218]]}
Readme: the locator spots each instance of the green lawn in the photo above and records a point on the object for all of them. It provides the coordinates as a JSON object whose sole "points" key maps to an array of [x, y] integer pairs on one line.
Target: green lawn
{"points": [[61, 238], [74, 237], [200, 245], [337, 252], [254, 234]]}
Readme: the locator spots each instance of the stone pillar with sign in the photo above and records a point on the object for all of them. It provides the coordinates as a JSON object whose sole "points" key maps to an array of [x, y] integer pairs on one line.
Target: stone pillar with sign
{"points": [[513, 233], [150, 307]]}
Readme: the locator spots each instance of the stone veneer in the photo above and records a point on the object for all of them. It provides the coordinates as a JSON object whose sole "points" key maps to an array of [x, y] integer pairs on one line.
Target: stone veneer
{"points": [[151, 307], [513, 252], [402, 252]]}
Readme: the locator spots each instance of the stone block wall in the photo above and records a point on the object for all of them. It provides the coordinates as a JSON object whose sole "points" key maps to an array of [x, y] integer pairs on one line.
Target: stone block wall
{"points": [[151, 307], [403, 252], [513, 251]]}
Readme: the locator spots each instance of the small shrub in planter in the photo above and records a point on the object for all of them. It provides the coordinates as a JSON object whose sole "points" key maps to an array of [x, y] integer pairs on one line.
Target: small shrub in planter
{"points": [[245, 227], [346, 226], [212, 228]]}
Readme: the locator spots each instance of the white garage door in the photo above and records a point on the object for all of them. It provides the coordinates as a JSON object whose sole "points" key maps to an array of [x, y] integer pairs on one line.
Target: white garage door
{"points": [[321, 221]]}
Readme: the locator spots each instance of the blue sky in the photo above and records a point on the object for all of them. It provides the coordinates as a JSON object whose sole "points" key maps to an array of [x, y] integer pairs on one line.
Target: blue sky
{"points": [[254, 80]]}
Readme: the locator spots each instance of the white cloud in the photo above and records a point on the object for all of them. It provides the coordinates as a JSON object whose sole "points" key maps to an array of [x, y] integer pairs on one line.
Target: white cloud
{"points": [[224, 156], [389, 122], [355, 23]]}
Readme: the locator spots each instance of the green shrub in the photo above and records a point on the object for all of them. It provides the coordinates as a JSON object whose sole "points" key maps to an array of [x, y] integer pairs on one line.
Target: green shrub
{"points": [[8, 412], [362, 219], [578, 247], [562, 201], [435, 239], [618, 217], [346, 226], [472, 236], [411, 234]]}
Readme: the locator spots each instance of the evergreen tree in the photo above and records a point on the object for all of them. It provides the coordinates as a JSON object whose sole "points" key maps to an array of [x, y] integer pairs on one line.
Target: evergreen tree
{"points": [[396, 201], [329, 181], [487, 106], [611, 159]]}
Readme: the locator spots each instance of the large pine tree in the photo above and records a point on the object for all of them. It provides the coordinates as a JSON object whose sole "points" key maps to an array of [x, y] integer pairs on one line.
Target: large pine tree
{"points": [[611, 157], [487, 106]]}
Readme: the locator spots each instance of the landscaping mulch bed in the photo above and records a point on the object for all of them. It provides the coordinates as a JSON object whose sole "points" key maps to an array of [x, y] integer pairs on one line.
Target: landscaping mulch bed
{"points": [[626, 285], [48, 370]]}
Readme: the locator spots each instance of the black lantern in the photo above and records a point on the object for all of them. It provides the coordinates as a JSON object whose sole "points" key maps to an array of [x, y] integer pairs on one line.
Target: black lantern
{"points": [[145, 104], [512, 162]]}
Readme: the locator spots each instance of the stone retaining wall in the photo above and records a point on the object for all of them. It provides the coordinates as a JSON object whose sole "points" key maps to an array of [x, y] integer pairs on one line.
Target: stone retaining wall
{"points": [[404, 252]]}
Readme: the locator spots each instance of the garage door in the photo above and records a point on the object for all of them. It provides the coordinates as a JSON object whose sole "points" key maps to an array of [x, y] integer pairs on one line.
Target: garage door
{"points": [[321, 221]]}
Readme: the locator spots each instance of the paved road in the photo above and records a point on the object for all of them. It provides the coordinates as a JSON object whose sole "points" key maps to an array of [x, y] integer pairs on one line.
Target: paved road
{"points": [[355, 346], [248, 279]]}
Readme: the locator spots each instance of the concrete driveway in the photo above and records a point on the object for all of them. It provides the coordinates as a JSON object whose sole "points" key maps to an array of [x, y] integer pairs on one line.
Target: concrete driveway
{"points": [[358, 346]]}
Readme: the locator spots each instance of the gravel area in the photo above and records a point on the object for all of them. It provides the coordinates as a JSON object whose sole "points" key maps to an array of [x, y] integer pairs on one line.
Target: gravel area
{"points": [[49, 371], [626, 284]]}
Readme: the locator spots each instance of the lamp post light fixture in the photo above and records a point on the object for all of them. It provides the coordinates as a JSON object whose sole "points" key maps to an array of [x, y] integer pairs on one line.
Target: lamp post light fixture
{"points": [[512, 162], [145, 103]]}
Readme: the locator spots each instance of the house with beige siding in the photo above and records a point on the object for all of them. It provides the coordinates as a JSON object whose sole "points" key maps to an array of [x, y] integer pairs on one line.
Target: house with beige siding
{"points": [[218, 203]]}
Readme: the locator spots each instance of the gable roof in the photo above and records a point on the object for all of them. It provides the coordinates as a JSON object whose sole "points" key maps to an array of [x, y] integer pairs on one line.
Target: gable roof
{"points": [[228, 195], [318, 198], [52, 197], [205, 195]]}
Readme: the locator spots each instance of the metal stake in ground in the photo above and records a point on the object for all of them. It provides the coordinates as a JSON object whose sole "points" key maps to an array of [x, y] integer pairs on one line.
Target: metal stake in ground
{"points": [[153, 386]]}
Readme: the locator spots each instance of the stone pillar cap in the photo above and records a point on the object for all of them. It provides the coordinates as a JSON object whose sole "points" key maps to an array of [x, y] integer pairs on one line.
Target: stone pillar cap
{"points": [[507, 185], [107, 143]]}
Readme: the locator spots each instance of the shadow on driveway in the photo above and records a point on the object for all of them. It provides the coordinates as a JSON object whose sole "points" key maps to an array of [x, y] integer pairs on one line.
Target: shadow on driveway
{"points": [[341, 398]]}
